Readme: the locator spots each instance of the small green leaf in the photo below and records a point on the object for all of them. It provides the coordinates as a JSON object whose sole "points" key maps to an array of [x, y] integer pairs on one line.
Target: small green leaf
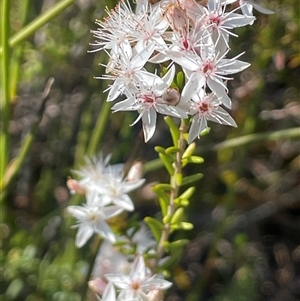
{"points": [[168, 164], [182, 226], [192, 159], [178, 179], [205, 132], [192, 178], [163, 205], [184, 202], [178, 244], [166, 219], [186, 226], [155, 226], [180, 80], [162, 186], [177, 216], [188, 193], [173, 129], [163, 198], [159, 149], [189, 150], [172, 150], [181, 202]]}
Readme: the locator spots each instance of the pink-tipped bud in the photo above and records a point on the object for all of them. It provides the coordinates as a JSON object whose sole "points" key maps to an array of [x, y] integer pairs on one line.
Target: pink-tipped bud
{"points": [[75, 187], [155, 295], [97, 285], [135, 173]]}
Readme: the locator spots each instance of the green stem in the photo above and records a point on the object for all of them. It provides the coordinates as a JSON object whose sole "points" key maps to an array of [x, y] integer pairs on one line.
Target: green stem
{"points": [[99, 129], [174, 191], [5, 97], [37, 23], [18, 51]]}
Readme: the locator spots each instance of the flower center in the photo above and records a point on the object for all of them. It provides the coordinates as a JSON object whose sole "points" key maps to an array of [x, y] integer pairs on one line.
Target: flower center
{"points": [[135, 285], [204, 107], [185, 44], [93, 216], [215, 19], [208, 67]]}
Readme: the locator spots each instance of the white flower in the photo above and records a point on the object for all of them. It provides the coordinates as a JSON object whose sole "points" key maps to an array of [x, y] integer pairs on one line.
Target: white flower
{"points": [[220, 22], [148, 98], [138, 283], [149, 29], [127, 70], [91, 218], [205, 108], [113, 189], [210, 69]]}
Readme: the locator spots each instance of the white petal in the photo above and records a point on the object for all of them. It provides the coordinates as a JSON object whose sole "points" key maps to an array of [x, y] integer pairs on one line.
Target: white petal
{"points": [[119, 280], [109, 293], [169, 76], [115, 90], [149, 124], [228, 66], [142, 57], [261, 9], [195, 83], [78, 212], [124, 202], [129, 186], [111, 211], [125, 105], [83, 234], [198, 125], [138, 271], [104, 230], [157, 283], [237, 20]]}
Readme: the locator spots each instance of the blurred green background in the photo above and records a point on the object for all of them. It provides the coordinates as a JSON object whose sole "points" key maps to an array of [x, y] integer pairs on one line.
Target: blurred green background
{"points": [[246, 211]]}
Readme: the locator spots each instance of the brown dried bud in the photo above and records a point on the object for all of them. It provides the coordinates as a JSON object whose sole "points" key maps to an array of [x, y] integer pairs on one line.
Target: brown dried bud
{"points": [[171, 97]]}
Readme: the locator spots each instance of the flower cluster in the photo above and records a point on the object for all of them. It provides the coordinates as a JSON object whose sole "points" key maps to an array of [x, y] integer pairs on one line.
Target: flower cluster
{"points": [[106, 192], [184, 34]]}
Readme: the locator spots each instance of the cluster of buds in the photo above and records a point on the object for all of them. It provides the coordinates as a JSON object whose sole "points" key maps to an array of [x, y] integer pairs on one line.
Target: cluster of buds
{"points": [[189, 38]]}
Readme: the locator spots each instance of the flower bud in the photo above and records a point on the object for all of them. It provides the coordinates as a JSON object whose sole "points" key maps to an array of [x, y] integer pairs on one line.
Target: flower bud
{"points": [[177, 18], [75, 187], [155, 295], [135, 172], [171, 97], [97, 285]]}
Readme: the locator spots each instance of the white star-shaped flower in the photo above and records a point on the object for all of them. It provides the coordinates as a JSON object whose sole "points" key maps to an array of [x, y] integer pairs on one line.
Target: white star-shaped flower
{"points": [[205, 108], [150, 98], [91, 218], [114, 189], [138, 283]]}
